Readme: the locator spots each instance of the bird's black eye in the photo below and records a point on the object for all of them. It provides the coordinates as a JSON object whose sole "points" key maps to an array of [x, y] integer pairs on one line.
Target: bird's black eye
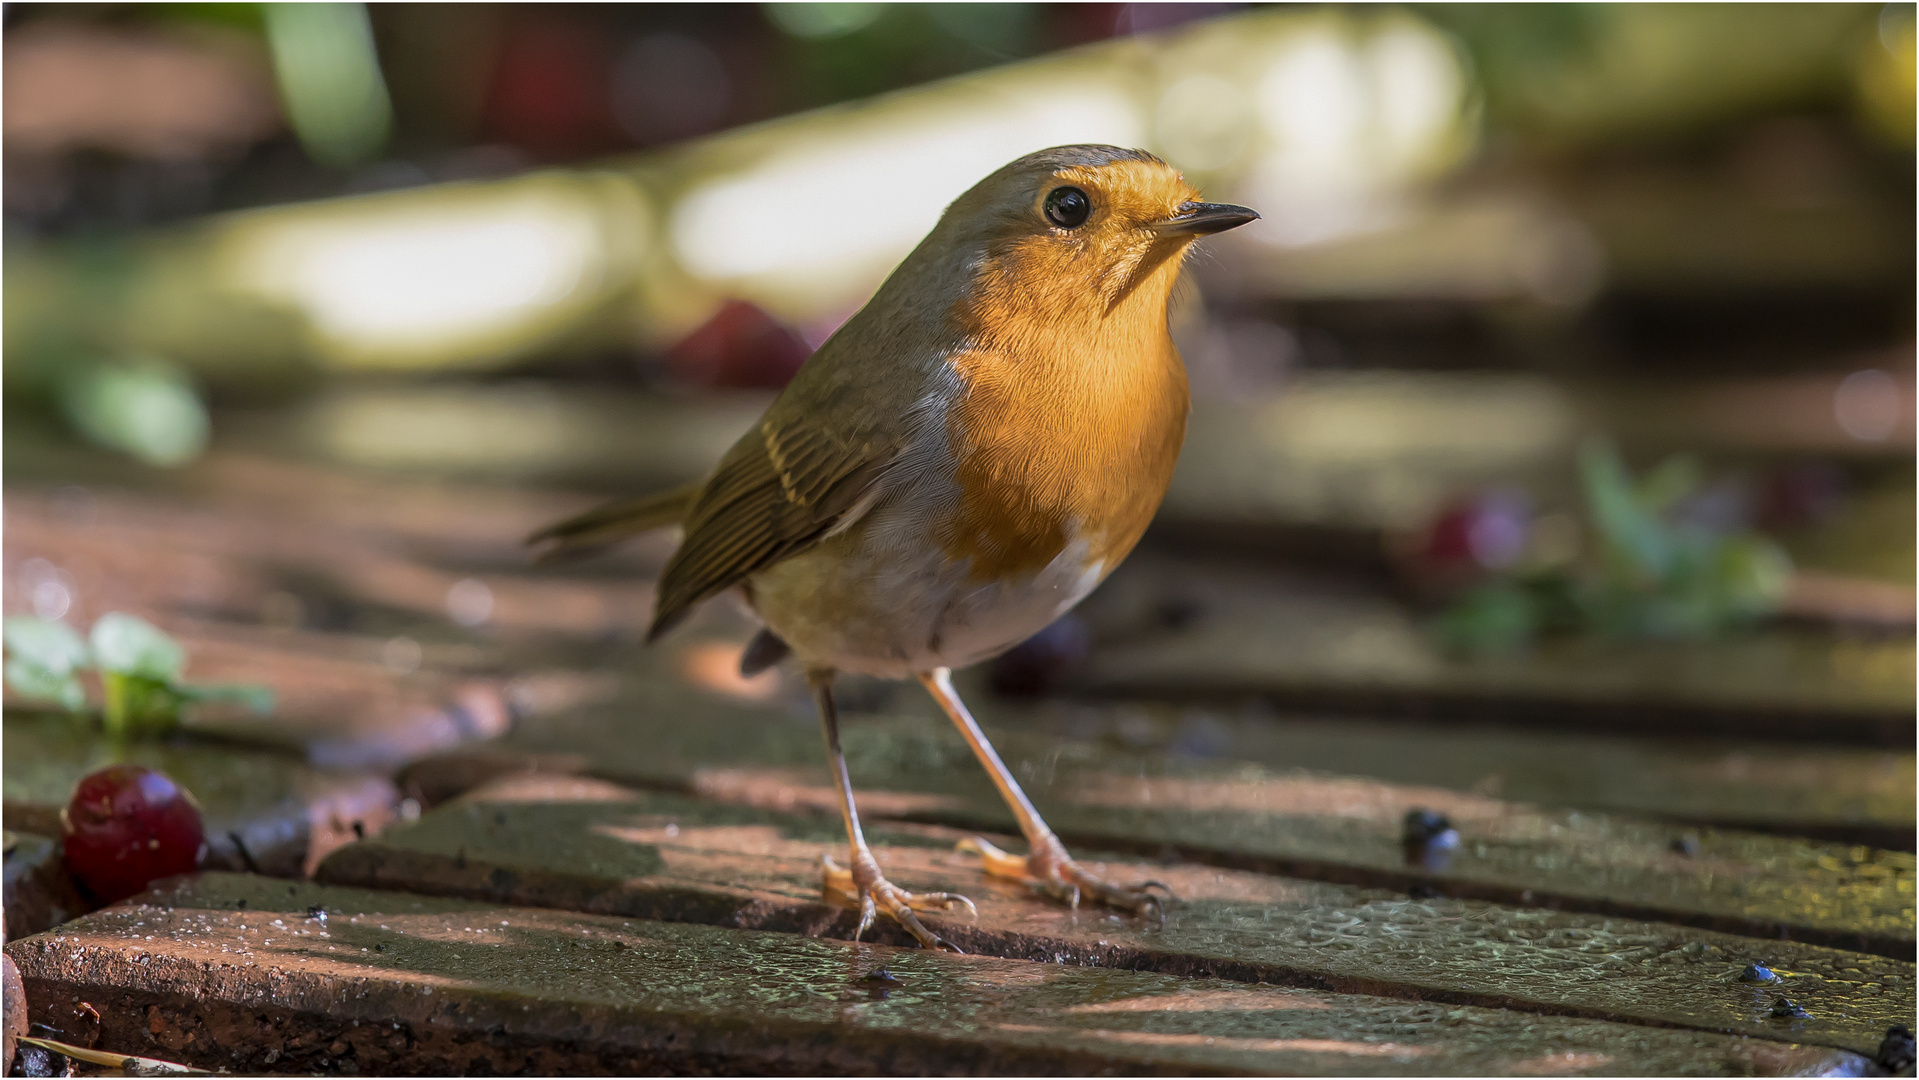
{"points": [[1067, 207]]}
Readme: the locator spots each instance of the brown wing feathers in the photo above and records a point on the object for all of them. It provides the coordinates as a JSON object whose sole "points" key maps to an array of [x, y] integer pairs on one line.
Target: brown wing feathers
{"points": [[606, 525], [777, 492]]}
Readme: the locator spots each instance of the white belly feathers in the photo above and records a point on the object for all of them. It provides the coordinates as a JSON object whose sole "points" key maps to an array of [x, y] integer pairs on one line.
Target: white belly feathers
{"points": [[886, 601]]}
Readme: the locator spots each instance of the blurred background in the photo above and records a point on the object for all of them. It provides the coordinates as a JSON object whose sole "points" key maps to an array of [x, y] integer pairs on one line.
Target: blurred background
{"points": [[1566, 382]]}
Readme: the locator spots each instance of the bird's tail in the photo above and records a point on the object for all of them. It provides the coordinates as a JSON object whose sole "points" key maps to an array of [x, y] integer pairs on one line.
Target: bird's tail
{"points": [[604, 526]]}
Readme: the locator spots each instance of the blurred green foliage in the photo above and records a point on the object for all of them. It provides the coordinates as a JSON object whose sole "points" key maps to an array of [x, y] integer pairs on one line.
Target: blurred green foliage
{"points": [[839, 52], [143, 406], [1568, 74], [44, 661], [1651, 571], [328, 69], [138, 665]]}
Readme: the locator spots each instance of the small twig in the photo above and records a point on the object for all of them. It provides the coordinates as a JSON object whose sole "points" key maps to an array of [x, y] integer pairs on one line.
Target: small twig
{"points": [[131, 1064], [246, 857]]}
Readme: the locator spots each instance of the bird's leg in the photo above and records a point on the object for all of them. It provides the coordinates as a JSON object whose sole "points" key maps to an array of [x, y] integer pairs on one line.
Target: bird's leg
{"points": [[1047, 867], [862, 882]]}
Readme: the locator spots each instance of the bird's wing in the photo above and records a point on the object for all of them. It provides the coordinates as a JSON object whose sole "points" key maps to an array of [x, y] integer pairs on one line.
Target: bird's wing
{"points": [[783, 486], [612, 522]]}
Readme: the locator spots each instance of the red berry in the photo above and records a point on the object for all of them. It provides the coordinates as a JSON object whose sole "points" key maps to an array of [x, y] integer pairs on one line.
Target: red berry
{"points": [[740, 348], [1449, 541], [128, 825], [1486, 532]]}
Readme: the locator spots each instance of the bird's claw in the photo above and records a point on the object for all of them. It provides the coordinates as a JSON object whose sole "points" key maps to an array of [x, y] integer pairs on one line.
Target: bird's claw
{"points": [[1052, 872], [864, 884]]}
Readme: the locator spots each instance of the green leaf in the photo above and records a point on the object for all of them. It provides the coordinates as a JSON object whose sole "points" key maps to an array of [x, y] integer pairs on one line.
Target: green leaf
{"points": [[139, 706], [1493, 618], [35, 681], [45, 655], [1669, 481], [1752, 576], [132, 646], [52, 645], [253, 696], [1629, 532], [141, 405]]}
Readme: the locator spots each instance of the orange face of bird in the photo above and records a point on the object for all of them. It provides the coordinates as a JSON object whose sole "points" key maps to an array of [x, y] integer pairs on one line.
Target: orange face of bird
{"points": [[1076, 239]]}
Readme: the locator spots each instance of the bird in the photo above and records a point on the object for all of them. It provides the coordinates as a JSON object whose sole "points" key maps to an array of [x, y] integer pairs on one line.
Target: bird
{"points": [[952, 470]]}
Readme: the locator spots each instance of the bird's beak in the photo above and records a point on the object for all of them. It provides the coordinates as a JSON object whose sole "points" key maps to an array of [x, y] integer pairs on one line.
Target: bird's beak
{"points": [[1204, 219]]}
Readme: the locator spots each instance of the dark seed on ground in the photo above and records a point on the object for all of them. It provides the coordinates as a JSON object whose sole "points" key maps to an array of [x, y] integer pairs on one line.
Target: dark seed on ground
{"points": [[1423, 825], [1429, 838], [1896, 1052]]}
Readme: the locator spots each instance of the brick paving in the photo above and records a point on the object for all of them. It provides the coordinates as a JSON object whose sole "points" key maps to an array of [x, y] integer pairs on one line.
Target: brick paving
{"points": [[623, 877], [240, 972], [1351, 650], [1235, 814], [584, 845], [39, 893], [1847, 794]]}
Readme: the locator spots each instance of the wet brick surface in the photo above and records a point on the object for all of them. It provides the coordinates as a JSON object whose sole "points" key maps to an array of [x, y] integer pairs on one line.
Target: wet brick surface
{"points": [[661, 735], [1848, 794], [588, 845], [238, 971]]}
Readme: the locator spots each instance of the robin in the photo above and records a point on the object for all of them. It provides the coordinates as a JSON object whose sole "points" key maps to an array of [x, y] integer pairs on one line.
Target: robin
{"points": [[955, 468]]}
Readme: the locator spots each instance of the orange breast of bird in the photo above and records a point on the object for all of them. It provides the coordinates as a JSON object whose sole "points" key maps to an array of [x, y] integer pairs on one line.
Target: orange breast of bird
{"points": [[1070, 420]]}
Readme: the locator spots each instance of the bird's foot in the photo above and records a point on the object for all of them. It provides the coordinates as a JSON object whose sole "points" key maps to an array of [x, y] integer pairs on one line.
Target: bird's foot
{"points": [[864, 886], [1051, 871]]}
